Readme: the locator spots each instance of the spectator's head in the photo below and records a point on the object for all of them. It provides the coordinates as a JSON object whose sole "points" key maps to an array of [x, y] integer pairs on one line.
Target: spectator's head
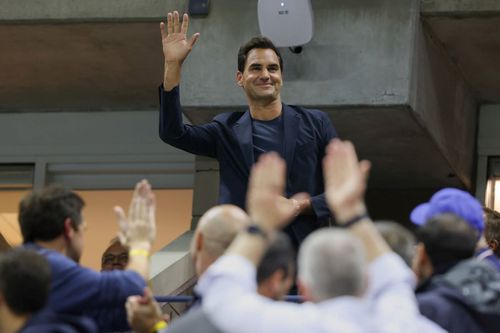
{"points": [[331, 264], [215, 231], [115, 256], [400, 239], [258, 42], [260, 70], [24, 285], [454, 201], [53, 214], [444, 241], [492, 230], [276, 271]]}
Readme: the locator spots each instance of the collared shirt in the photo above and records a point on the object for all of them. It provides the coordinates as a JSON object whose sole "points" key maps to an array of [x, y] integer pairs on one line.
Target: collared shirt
{"points": [[487, 255], [231, 303]]}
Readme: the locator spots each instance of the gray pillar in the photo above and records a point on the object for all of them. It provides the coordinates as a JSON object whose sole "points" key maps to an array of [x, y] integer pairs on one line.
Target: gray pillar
{"points": [[206, 187]]}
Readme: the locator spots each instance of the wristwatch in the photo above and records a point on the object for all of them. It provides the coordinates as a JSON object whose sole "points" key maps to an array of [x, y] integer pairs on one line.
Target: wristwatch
{"points": [[255, 229]]}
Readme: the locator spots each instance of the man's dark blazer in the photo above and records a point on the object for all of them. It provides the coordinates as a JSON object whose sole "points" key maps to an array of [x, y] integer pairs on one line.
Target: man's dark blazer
{"points": [[228, 138]]}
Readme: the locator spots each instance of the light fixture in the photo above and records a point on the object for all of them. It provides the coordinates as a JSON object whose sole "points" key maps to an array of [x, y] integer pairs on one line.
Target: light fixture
{"points": [[492, 195]]}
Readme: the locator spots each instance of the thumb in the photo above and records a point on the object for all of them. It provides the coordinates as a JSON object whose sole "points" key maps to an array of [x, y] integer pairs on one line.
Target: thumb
{"points": [[120, 216], [193, 39], [147, 297], [365, 167], [122, 224], [301, 196]]}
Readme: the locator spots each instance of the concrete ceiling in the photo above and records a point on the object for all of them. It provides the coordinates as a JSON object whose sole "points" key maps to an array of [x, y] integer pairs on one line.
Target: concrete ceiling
{"points": [[473, 43], [80, 66], [102, 66]]}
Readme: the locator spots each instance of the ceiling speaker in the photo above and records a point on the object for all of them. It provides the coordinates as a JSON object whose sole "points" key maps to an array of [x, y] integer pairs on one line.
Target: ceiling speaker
{"points": [[287, 23]]}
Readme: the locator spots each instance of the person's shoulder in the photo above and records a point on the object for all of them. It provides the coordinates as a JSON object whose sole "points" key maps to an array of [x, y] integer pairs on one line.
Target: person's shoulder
{"points": [[229, 117], [48, 321], [440, 298], [303, 111], [54, 258], [123, 275]]}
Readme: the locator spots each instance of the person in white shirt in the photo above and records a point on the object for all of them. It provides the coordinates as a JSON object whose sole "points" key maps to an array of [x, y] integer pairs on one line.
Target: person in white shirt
{"points": [[352, 280]]}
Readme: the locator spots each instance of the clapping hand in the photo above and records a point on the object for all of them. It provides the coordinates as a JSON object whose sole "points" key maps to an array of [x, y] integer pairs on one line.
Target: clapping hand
{"points": [[265, 202], [345, 180]]}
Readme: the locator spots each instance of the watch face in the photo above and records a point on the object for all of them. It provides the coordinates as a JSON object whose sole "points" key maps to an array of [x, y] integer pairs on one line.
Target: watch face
{"points": [[256, 230]]}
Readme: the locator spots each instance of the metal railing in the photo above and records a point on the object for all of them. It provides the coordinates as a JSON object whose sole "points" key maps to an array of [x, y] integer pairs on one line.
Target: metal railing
{"points": [[188, 299]]}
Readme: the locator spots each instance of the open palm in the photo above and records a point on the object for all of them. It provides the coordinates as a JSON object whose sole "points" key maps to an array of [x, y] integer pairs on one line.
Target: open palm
{"points": [[176, 45], [345, 179]]}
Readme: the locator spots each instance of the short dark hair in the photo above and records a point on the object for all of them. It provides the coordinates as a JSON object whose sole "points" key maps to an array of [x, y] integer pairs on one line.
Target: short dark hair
{"points": [[42, 213], [259, 42], [24, 280], [492, 225], [279, 256], [448, 239]]}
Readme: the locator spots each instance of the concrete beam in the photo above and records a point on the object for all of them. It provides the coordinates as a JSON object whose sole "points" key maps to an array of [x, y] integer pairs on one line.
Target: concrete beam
{"points": [[444, 105], [459, 7], [89, 10]]}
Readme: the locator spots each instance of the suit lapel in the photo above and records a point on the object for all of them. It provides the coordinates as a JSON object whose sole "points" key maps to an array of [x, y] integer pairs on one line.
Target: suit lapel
{"points": [[243, 131], [291, 122]]}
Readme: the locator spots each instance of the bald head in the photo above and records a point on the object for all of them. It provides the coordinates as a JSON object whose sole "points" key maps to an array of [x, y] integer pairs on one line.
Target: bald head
{"points": [[216, 230]]}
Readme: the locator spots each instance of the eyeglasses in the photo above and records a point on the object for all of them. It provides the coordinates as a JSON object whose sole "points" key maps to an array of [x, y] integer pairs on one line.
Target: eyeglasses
{"points": [[110, 259]]}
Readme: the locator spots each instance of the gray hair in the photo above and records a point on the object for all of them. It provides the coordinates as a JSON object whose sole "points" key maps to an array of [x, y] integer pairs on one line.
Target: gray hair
{"points": [[332, 263], [400, 239]]}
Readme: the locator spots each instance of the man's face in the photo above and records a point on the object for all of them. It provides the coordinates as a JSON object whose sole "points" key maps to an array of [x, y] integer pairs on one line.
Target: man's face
{"points": [[261, 79], [277, 286], [115, 257], [75, 246]]}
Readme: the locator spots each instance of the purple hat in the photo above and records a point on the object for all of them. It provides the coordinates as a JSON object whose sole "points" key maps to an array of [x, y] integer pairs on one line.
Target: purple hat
{"points": [[451, 200]]}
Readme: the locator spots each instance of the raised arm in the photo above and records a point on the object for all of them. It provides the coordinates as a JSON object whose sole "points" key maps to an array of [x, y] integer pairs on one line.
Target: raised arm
{"points": [[138, 231], [176, 47], [345, 185], [390, 289]]}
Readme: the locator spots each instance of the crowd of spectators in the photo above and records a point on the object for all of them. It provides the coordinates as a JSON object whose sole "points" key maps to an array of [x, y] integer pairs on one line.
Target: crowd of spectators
{"points": [[356, 277], [348, 277]]}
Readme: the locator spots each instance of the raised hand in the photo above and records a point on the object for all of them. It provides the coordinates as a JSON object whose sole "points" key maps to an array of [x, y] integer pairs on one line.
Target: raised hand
{"points": [[345, 180], [265, 202], [140, 226], [176, 45]]}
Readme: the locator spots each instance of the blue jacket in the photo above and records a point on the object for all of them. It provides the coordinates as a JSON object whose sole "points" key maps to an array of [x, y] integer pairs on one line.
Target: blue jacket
{"points": [[46, 321], [76, 290], [228, 138], [465, 299]]}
